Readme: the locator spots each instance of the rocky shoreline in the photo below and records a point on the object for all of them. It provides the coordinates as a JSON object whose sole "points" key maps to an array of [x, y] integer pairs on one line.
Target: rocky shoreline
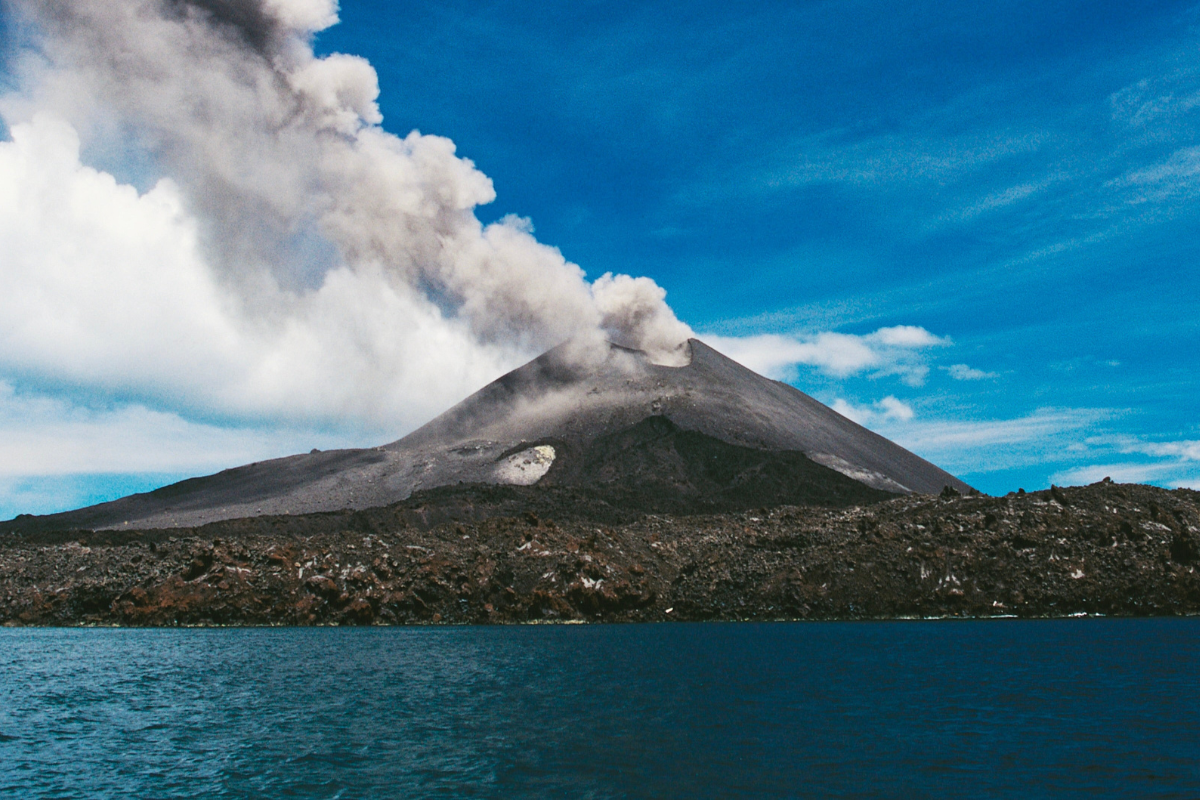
{"points": [[1123, 550]]}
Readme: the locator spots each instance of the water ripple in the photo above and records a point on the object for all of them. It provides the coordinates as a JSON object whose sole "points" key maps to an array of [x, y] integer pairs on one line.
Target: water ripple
{"points": [[1103, 708]]}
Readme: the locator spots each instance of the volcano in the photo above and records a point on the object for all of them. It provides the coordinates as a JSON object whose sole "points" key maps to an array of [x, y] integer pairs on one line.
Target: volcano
{"points": [[710, 426]]}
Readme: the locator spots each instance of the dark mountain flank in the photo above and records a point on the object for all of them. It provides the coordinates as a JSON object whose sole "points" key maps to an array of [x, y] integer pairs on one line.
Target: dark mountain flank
{"points": [[627, 433]]}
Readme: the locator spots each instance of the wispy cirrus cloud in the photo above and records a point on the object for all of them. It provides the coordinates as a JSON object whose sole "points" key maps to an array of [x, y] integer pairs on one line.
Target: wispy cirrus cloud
{"points": [[1171, 475], [1157, 102], [973, 446], [1073, 445], [962, 372], [843, 157], [1174, 178], [1140, 460], [1058, 177], [967, 210]]}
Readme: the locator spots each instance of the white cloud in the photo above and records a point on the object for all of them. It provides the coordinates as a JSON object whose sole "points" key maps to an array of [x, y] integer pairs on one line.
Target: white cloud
{"points": [[1001, 199], [1177, 177], [998, 200], [1067, 442], [890, 159], [887, 351], [896, 409], [961, 372], [1067, 437], [304, 15], [1045, 436], [1182, 449], [42, 435], [889, 408], [1185, 451], [291, 274], [56, 454], [297, 264], [1171, 475], [1041, 423], [1169, 463], [908, 336], [1158, 102], [105, 288]]}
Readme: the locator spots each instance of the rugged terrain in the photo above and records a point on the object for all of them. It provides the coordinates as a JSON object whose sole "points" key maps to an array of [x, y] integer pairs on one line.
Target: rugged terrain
{"points": [[489, 554]]}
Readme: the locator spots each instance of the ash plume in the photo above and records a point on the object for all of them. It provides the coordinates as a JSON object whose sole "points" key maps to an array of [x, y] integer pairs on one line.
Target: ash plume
{"points": [[293, 258]]}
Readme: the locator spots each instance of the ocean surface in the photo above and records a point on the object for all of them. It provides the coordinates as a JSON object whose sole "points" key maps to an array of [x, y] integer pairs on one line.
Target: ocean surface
{"points": [[1084, 707]]}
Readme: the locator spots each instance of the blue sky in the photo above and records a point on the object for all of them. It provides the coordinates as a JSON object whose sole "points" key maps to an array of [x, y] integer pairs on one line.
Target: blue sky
{"points": [[1019, 181], [1018, 178]]}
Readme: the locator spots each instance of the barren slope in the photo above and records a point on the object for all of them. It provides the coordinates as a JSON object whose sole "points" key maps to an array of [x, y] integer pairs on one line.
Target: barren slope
{"points": [[537, 423]]}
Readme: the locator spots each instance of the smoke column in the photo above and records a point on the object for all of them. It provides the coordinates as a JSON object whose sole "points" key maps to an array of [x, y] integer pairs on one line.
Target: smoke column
{"points": [[286, 256]]}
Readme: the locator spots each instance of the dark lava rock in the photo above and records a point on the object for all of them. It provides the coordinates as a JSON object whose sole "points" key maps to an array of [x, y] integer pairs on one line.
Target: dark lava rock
{"points": [[1184, 549], [518, 554], [657, 467]]}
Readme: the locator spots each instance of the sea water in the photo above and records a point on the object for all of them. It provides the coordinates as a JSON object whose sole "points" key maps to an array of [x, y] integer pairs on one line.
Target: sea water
{"points": [[1087, 707]]}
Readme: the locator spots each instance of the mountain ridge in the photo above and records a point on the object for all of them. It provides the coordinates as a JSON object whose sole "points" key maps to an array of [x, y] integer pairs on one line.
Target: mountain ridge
{"points": [[537, 421]]}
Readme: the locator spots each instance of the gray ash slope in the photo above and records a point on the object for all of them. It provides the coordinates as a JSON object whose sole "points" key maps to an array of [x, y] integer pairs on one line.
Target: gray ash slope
{"points": [[555, 423]]}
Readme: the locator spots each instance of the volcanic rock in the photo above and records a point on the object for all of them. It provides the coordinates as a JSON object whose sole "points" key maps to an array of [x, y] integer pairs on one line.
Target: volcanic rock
{"points": [[1110, 549], [709, 429]]}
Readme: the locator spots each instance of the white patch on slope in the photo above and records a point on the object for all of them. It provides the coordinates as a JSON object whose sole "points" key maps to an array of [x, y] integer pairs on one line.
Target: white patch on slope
{"points": [[875, 480], [526, 467]]}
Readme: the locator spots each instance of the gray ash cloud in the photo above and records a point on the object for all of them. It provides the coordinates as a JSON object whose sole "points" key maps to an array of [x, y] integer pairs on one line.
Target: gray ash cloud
{"points": [[315, 227]]}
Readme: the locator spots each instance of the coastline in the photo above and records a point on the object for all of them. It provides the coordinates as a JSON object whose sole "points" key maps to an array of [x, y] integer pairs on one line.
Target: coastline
{"points": [[1103, 550]]}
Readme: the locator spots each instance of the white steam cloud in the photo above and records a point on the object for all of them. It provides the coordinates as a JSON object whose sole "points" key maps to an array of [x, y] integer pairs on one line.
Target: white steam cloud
{"points": [[293, 260]]}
